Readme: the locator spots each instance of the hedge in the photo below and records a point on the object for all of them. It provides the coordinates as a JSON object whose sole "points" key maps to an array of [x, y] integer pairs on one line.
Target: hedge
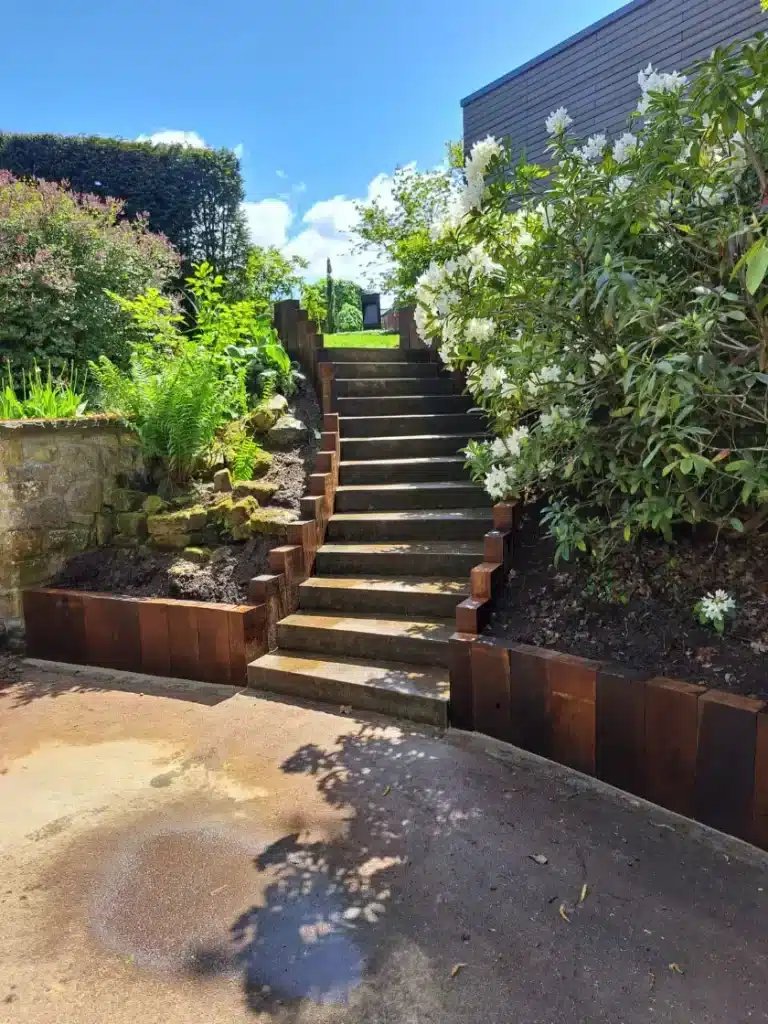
{"points": [[192, 196]]}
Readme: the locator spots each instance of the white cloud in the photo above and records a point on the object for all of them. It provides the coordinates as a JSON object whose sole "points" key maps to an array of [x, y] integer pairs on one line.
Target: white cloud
{"points": [[168, 137], [327, 232], [281, 174], [239, 150], [268, 221]]}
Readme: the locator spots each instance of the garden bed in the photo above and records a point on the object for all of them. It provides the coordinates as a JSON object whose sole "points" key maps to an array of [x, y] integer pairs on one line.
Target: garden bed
{"points": [[641, 615], [203, 546]]}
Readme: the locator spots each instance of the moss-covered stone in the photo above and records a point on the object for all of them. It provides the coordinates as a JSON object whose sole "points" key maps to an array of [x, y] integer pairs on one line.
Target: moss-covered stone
{"points": [[258, 489], [154, 505], [124, 499], [228, 511], [222, 481], [271, 521], [261, 463], [197, 555], [266, 414], [173, 529], [131, 524]]}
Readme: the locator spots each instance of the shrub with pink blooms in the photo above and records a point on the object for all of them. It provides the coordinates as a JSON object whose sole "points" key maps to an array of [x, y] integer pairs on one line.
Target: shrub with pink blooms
{"points": [[59, 255]]}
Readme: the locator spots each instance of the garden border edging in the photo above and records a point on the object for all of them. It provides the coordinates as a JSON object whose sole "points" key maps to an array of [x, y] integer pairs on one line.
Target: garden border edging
{"points": [[700, 752]]}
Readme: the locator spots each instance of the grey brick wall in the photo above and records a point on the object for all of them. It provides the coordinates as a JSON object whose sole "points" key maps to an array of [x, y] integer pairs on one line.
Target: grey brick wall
{"points": [[594, 73]]}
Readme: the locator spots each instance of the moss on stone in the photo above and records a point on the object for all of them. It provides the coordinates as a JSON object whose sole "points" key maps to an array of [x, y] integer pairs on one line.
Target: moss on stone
{"points": [[271, 521], [154, 505], [197, 555], [258, 489]]}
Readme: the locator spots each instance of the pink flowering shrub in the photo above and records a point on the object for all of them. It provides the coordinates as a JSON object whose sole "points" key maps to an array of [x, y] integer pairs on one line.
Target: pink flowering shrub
{"points": [[59, 255]]}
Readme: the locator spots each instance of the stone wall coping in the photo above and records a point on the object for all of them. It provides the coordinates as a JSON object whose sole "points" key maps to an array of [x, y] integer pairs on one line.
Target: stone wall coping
{"points": [[97, 421]]}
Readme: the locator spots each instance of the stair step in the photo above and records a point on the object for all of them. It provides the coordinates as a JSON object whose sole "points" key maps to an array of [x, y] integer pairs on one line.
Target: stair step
{"points": [[413, 692], [450, 559], [398, 639], [376, 355], [379, 594], [419, 446], [396, 405], [410, 524], [425, 494], [347, 370], [408, 425], [376, 387], [400, 471]]}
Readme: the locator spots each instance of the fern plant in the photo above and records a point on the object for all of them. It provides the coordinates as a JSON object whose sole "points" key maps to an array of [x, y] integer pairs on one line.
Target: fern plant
{"points": [[175, 405]]}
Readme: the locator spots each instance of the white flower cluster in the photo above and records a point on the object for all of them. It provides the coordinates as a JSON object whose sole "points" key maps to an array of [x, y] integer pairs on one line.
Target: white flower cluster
{"points": [[598, 361], [558, 121], [593, 148], [651, 81], [479, 330], [714, 607], [500, 481], [550, 419], [624, 147], [470, 196]]}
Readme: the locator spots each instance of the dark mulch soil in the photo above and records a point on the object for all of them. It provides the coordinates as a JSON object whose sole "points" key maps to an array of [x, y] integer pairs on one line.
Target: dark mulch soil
{"points": [[144, 572], [641, 614], [289, 469]]}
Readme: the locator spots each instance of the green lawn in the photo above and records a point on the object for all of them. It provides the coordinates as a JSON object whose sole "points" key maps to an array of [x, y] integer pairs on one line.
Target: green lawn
{"points": [[361, 339]]}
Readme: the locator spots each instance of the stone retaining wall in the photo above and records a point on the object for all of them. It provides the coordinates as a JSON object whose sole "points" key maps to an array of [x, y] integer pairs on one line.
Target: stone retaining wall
{"points": [[59, 493]]}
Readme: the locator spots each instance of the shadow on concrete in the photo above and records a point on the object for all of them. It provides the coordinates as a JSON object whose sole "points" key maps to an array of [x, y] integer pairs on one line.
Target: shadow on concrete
{"points": [[29, 681], [323, 925]]}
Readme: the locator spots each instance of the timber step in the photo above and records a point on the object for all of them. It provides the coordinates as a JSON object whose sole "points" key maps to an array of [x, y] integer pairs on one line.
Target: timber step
{"points": [[347, 370], [408, 558], [407, 595], [402, 471], [411, 524], [405, 405], [427, 494], [417, 642], [416, 692], [419, 446], [406, 425], [381, 387], [376, 355]]}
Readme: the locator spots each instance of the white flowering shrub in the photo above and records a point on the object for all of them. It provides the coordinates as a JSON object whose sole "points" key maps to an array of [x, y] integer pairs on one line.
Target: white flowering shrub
{"points": [[610, 311], [714, 609]]}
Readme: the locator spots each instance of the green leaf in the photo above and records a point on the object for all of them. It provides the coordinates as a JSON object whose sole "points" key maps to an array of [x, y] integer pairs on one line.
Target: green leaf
{"points": [[737, 525], [686, 466], [627, 533], [757, 266]]}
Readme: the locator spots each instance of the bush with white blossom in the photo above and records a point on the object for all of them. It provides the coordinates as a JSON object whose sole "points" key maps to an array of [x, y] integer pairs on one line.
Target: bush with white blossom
{"points": [[610, 311], [714, 609]]}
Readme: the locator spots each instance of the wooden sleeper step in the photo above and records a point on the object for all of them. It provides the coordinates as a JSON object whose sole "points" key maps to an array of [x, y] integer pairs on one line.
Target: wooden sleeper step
{"points": [[427, 524], [449, 559], [380, 594]]}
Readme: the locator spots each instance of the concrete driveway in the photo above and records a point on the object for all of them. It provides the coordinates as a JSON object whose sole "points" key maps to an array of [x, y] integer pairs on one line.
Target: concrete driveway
{"points": [[178, 853]]}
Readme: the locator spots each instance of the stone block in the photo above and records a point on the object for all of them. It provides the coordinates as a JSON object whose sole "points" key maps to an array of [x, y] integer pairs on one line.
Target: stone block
{"points": [[258, 489], [153, 505], [272, 521], [125, 499], [671, 739], [85, 496], [287, 432], [174, 529], [222, 481], [132, 524], [39, 450], [197, 555], [620, 729], [725, 761], [267, 414]]}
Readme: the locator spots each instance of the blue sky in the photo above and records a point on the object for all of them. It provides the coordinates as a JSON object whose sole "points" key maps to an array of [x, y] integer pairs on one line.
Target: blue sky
{"points": [[324, 98]]}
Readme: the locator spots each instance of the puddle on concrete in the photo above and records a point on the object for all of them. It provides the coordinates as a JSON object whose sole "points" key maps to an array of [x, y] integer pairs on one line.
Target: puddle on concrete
{"points": [[188, 898]]}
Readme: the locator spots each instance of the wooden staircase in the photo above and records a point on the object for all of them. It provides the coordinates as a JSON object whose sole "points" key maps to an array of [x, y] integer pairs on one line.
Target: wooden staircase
{"points": [[373, 623]]}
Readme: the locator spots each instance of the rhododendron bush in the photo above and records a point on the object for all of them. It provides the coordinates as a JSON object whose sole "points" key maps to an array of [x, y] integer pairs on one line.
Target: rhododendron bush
{"points": [[609, 311]]}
